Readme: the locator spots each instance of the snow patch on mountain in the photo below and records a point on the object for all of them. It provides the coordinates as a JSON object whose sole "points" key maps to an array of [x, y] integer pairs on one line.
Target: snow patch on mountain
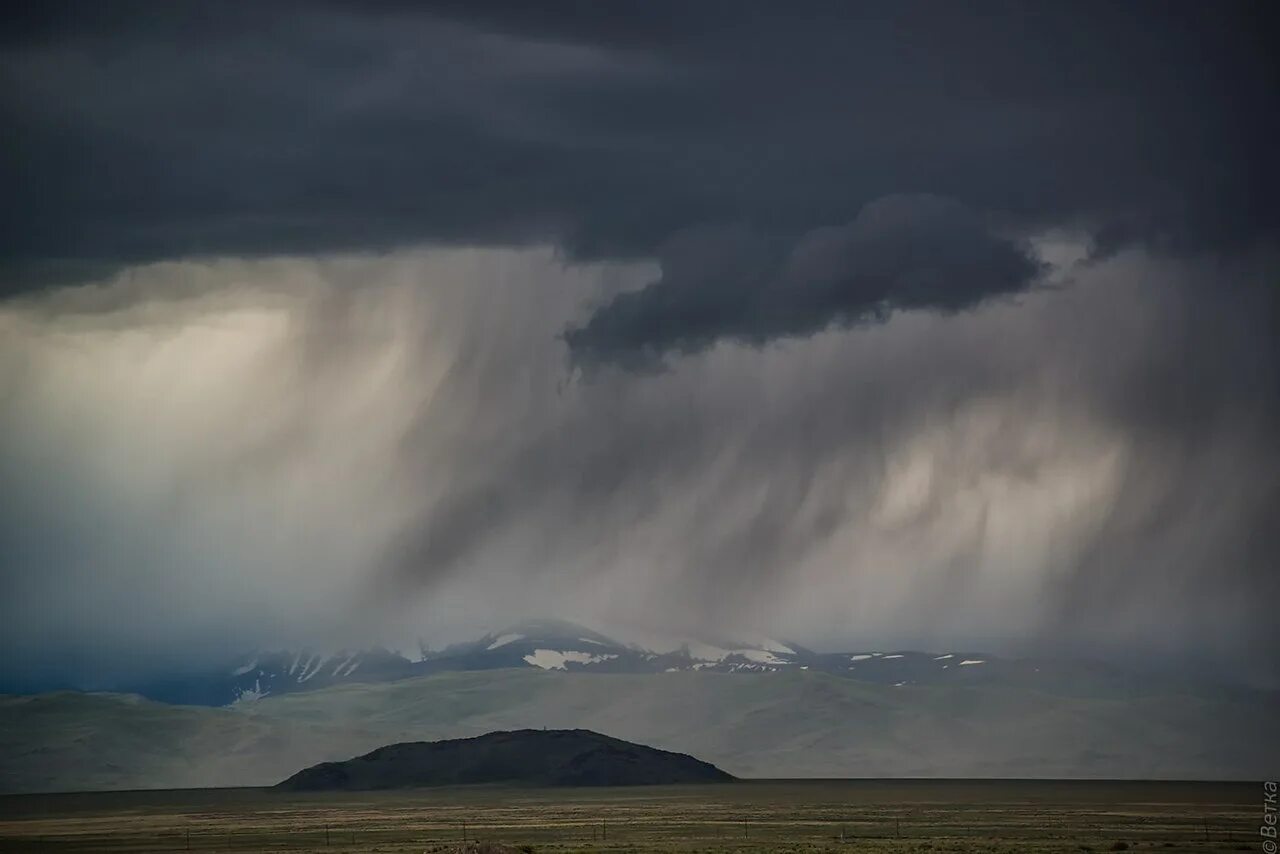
{"points": [[314, 663], [249, 695], [706, 652], [767, 644], [700, 651], [554, 659]]}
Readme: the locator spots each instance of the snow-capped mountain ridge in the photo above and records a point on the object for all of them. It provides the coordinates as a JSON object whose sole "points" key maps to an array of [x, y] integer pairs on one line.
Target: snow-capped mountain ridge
{"points": [[556, 645], [284, 671]]}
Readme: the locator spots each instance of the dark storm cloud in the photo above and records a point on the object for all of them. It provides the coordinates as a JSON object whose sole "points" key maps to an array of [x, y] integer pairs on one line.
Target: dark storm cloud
{"points": [[147, 131], [901, 252], [241, 448]]}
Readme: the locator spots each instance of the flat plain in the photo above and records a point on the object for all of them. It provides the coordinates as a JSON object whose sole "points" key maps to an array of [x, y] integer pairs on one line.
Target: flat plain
{"points": [[935, 817]]}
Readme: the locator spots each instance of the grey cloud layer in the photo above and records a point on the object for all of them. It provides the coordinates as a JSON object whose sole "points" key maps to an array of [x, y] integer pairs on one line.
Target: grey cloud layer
{"points": [[301, 451]]}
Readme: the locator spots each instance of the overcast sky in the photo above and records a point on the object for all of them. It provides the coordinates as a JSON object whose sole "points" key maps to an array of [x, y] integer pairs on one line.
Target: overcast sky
{"points": [[861, 324]]}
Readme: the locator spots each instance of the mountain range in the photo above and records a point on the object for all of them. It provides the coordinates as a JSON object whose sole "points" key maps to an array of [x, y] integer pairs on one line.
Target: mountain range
{"points": [[755, 708], [564, 646]]}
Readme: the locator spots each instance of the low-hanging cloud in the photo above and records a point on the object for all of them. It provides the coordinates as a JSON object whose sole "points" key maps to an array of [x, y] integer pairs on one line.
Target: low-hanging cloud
{"points": [[331, 451], [900, 252]]}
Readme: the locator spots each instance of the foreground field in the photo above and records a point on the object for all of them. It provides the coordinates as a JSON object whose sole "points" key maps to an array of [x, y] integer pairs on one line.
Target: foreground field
{"points": [[793, 816]]}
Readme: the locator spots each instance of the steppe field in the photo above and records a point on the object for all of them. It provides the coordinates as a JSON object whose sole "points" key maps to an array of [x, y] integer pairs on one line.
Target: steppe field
{"points": [[793, 816]]}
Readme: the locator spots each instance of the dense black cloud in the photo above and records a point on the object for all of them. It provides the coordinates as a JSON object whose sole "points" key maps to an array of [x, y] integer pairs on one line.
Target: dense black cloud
{"points": [[901, 252], [143, 131]]}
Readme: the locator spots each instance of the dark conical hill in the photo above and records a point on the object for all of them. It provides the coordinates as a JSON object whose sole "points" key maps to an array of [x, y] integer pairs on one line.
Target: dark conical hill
{"points": [[575, 757]]}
